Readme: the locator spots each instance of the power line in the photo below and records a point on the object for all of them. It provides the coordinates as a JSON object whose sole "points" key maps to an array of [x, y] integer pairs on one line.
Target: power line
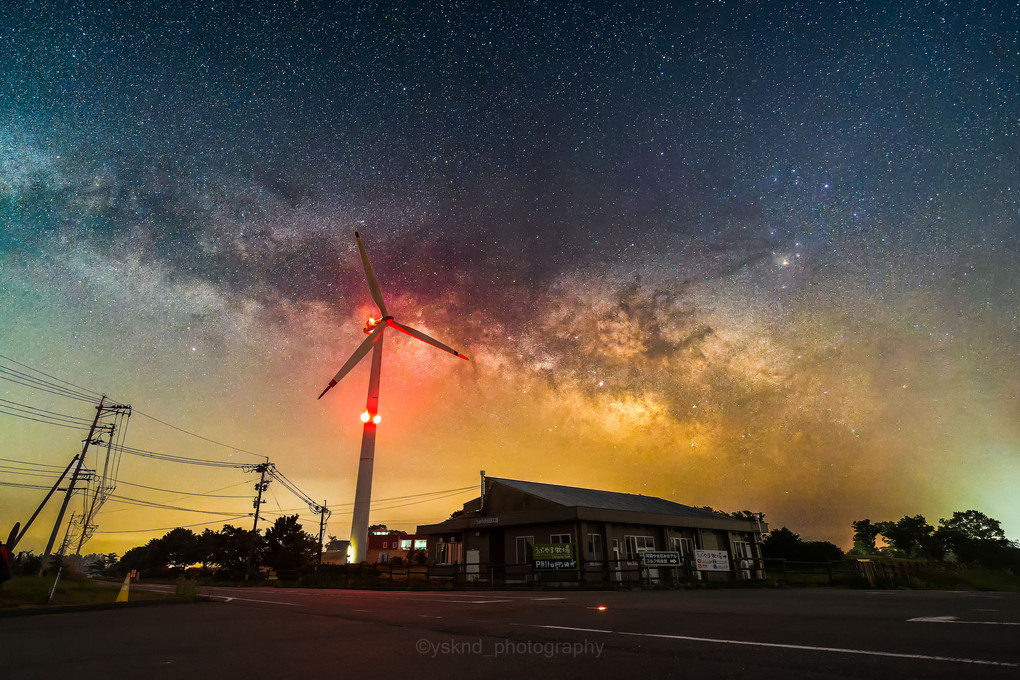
{"points": [[26, 380], [29, 462], [96, 395], [23, 486], [173, 458], [185, 526], [211, 441], [160, 506], [63, 388], [44, 420], [184, 493], [43, 413]]}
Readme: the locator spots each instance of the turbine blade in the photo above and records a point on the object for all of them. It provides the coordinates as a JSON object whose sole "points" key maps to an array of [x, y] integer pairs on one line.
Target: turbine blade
{"points": [[424, 338], [373, 284], [358, 355]]}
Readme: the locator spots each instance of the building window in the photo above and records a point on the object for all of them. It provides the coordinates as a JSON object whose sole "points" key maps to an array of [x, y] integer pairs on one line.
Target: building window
{"points": [[635, 545], [682, 545], [560, 538], [594, 547], [420, 543], [448, 553], [525, 552], [742, 550]]}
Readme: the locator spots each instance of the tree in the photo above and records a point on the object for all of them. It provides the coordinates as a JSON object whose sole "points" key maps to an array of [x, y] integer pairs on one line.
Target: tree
{"points": [[288, 547], [179, 548], [910, 537], [973, 536], [865, 533], [231, 548], [783, 543]]}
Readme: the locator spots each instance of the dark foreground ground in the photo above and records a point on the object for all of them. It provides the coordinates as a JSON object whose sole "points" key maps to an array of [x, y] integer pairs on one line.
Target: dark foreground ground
{"points": [[282, 633]]}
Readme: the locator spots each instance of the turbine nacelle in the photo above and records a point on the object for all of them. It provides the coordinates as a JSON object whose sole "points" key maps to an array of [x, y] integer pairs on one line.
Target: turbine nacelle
{"points": [[374, 326], [373, 322]]}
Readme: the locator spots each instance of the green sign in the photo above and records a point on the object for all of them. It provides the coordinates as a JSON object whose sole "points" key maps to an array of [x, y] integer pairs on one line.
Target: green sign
{"points": [[555, 556]]}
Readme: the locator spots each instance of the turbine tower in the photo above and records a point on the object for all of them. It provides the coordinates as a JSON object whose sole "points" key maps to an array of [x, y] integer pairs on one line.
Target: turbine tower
{"points": [[374, 342]]}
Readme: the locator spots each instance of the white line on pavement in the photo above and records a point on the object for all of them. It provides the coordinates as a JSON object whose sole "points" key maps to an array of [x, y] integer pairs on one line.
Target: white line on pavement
{"points": [[956, 619], [245, 599], [840, 650]]}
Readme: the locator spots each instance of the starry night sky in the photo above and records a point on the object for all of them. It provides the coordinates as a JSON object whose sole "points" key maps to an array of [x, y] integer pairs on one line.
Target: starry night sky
{"points": [[752, 255]]}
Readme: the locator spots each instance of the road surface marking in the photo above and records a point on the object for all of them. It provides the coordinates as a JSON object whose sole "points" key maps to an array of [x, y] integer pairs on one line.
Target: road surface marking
{"points": [[749, 643], [226, 598], [956, 619]]}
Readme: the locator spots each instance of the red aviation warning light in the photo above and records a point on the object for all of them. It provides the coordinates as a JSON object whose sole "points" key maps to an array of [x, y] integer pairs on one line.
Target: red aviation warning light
{"points": [[371, 324], [366, 416]]}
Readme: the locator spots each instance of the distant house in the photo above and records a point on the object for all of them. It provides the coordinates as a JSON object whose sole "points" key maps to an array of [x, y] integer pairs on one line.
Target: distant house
{"points": [[385, 545], [336, 552], [520, 531]]}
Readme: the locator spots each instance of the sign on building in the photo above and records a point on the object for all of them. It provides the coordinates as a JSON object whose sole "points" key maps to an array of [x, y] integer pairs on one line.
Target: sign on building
{"points": [[555, 556], [653, 558], [712, 560]]}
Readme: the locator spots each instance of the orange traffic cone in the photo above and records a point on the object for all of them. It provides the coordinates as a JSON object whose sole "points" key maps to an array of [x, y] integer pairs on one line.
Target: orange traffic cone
{"points": [[122, 596]]}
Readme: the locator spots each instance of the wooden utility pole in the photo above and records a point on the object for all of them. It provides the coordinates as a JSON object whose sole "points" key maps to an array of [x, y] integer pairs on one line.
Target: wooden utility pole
{"points": [[322, 527], [261, 486], [70, 486]]}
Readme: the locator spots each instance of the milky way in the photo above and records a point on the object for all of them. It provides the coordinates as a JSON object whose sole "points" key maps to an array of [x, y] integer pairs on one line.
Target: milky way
{"points": [[751, 255]]}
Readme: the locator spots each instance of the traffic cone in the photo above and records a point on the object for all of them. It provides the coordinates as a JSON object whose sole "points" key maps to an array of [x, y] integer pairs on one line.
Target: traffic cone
{"points": [[122, 596]]}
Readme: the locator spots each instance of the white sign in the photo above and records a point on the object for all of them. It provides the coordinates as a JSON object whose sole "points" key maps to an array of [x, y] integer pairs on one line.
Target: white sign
{"points": [[712, 560], [660, 559]]}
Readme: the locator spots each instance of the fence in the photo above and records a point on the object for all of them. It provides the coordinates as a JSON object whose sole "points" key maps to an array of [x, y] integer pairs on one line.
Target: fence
{"points": [[602, 574]]}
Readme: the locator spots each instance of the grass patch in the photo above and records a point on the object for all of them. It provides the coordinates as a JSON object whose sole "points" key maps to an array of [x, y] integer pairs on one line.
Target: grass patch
{"points": [[967, 579], [33, 591]]}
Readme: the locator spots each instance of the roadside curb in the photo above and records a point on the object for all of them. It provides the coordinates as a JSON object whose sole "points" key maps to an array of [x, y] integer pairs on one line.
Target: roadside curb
{"points": [[72, 608]]}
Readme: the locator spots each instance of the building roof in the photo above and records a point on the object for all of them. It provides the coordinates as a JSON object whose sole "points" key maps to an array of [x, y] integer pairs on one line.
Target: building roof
{"points": [[572, 496]]}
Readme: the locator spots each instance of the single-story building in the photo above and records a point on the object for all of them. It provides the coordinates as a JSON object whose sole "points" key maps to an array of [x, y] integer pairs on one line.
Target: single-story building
{"points": [[519, 531], [385, 545]]}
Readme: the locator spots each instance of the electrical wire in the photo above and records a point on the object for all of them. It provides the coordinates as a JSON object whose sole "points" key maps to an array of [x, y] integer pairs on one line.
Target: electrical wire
{"points": [[43, 420], [183, 493], [23, 486], [26, 380], [173, 458], [185, 526], [211, 441], [162, 506], [43, 413], [83, 390], [28, 462]]}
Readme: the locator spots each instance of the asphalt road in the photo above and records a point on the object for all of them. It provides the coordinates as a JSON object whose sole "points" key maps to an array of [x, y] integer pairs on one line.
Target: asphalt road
{"points": [[289, 633]]}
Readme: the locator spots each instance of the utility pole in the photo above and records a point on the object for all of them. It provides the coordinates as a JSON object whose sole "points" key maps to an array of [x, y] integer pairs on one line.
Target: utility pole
{"points": [[260, 486], [322, 527], [70, 486]]}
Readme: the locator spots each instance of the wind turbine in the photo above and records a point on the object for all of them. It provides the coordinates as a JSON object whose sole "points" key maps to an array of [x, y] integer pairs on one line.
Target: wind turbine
{"points": [[375, 329]]}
